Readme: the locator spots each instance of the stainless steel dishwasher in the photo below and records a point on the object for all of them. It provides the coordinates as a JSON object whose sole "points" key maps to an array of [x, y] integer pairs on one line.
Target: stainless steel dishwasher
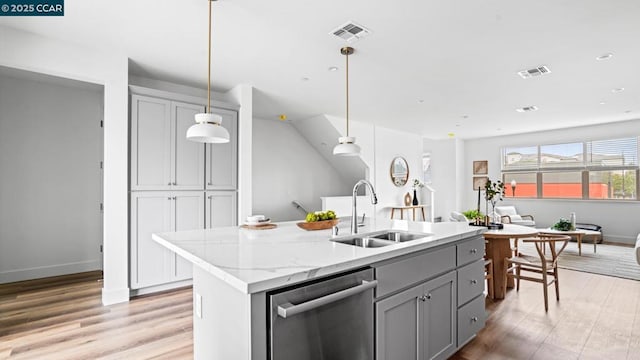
{"points": [[330, 319]]}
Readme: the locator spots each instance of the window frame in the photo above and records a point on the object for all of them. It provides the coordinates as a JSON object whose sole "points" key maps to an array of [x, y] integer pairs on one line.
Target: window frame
{"points": [[584, 167]]}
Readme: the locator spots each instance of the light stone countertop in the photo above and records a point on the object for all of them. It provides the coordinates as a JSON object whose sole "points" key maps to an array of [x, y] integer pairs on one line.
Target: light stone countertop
{"points": [[259, 260]]}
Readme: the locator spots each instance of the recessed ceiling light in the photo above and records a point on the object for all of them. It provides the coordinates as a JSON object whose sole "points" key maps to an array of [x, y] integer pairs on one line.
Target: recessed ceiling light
{"points": [[333, 68], [604, 56], [527, 109], [617, 90]]}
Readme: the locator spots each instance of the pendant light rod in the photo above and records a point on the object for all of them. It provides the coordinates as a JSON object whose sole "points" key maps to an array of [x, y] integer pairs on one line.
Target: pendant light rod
{"points": [[209, 62], [346, 51]]}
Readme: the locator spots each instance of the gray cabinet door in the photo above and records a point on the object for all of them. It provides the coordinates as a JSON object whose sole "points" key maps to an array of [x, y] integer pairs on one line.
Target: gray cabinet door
{"points": [[439, 317], [150, 143], [187, 170], [222, 159], [221, 209], [187, 214], [151, 263], [398, 324]]}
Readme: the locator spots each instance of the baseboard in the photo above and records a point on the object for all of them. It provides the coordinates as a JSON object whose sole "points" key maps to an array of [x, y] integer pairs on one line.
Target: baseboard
{"points": [[159, 288], [48, 271], [608, 238], [114, 296]]}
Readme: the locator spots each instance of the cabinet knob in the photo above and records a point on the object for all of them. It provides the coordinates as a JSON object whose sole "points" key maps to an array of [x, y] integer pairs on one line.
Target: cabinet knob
{"points": [[474, 281], [474, 319], [473, 251]]}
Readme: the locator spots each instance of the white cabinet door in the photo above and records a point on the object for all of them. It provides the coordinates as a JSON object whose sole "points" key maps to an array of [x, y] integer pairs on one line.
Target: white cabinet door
{"points": [[187, 214], [222, 159], [150, 143], [221, 209], [188, 156], [151, 263]]}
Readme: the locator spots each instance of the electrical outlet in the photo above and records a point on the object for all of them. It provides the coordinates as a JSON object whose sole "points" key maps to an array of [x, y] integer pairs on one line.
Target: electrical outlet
{"points": [[198, 305]]}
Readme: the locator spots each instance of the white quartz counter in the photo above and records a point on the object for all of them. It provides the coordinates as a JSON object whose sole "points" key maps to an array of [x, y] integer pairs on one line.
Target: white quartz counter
{"points": [[258, 260]]}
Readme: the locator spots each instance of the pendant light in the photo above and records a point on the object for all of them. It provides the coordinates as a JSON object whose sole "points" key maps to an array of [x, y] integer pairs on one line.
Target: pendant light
{"points": [[346, 144], [208, 127]]}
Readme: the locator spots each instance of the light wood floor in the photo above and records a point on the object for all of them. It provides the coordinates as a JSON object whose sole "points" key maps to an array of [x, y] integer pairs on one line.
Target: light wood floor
{"points": [[63, 318], [598, 317]]}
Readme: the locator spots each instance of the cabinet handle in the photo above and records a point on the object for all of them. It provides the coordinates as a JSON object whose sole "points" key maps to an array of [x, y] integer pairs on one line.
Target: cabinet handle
{"points": [[210, 197], [169, 184], [474, 281], [474, 319], [473, 251], [169, 198], [425, 297], [175, 198], [209, 183]]}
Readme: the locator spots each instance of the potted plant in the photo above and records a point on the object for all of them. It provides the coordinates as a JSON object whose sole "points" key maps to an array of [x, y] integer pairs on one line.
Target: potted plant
{"points": [[493, 192]]}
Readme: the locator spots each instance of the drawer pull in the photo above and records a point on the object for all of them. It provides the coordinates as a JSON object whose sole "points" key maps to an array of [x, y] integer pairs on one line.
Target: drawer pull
{"points": [[473, 251], [474, 319], [169, 184], [474, 281]]}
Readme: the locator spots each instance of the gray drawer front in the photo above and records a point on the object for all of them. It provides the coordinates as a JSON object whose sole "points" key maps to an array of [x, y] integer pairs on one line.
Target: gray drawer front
{"points": [[400, 274], [470, 251], [470, 281], [471, 318]]}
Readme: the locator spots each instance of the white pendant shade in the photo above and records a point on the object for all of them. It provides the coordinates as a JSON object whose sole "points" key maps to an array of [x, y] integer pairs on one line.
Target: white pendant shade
{"points": [[208, 129], [346, 147]]}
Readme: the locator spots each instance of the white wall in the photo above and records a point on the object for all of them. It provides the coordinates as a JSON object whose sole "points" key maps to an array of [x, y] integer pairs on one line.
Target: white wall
{"points": [[447, 174], [107, 67], [50, 184], [286, 168], [618, 218], [388, 144]]}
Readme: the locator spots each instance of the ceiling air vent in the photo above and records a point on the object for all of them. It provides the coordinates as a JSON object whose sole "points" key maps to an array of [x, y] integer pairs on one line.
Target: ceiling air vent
{"points": [[540, 70], [527, 109], [350, 32]]}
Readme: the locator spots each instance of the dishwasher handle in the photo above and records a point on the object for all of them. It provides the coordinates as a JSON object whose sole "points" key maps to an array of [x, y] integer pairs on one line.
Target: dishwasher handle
{"points": [[288, 309]]}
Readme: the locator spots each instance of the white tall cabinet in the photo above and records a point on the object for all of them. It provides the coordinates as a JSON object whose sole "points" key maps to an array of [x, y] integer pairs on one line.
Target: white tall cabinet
{"points": [[176, 184]]}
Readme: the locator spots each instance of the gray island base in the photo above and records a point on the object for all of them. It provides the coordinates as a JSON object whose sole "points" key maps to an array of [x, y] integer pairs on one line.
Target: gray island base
{"points": [[425, 296]]}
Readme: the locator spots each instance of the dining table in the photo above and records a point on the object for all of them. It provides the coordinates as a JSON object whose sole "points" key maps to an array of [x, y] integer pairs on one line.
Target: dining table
{"points": [[498, 248]]}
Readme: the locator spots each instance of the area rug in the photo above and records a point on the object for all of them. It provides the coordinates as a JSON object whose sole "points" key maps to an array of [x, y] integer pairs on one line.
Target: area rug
{"points": [[611, 260]]}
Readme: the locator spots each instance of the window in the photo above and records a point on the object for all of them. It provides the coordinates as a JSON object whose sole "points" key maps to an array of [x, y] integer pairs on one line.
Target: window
{"points": [[599, 169]]}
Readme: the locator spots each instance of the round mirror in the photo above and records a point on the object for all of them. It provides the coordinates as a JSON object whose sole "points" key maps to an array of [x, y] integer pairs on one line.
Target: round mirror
{"points": [[399, 171]]}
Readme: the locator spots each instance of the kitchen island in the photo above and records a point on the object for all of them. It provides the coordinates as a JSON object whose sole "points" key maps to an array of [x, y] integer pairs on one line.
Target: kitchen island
{"points": [[234, 268]]}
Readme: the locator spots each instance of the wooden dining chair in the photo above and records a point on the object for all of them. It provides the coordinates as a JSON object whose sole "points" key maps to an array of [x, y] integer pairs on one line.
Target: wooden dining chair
{"points": [[544, 264], [488, 276]]}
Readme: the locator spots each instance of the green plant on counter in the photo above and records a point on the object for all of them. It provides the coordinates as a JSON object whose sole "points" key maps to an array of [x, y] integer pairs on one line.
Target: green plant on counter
{"points": [[472, 214], [562, 225], [320, 216]]}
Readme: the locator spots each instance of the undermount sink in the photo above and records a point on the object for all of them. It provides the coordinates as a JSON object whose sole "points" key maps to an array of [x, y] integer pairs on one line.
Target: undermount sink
{"points": [[400, 236], [380, 238], [367, 242]]}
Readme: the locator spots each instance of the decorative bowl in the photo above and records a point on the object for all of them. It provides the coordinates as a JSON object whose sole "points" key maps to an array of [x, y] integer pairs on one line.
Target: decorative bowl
{"points": [[318, 225]]}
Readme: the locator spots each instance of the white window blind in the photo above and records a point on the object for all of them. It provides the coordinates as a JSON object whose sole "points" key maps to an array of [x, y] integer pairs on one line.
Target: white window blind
{"points": [[613, 152]]}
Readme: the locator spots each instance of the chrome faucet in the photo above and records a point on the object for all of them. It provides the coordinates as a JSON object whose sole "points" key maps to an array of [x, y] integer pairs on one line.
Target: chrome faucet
{"points": [[354, 211]]}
